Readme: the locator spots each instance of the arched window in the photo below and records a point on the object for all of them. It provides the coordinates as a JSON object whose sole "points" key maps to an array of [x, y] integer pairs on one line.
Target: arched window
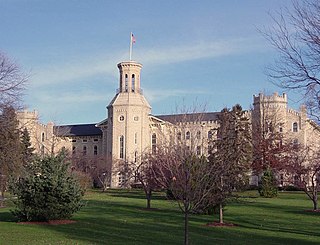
{"points": [[42, 137], [179, 135], [295, 127], [95, 150], [188, 135], [84, 152], [198, 135], [133, 83], [126, 83], [121, 147], [154, 143]]}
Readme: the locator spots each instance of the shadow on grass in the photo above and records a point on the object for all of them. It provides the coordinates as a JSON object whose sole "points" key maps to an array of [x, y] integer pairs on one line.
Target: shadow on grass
{"points": [[118, 220]]}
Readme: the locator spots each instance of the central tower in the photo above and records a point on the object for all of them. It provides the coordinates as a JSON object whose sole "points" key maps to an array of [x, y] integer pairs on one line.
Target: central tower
{"points": [[128, 133]]}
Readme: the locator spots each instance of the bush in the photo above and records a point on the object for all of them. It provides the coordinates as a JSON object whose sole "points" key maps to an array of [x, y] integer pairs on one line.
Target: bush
{"points": [[48, 191], [268, 185]]}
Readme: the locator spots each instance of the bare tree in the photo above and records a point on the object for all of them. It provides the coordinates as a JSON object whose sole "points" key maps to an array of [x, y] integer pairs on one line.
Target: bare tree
{"points": [[189, 178], [296, 37], [12, 82], [97, 168], [304, 172]]}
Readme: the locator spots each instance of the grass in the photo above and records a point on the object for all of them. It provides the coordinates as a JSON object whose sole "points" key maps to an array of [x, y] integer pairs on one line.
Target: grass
{"points": [[119, 217]]}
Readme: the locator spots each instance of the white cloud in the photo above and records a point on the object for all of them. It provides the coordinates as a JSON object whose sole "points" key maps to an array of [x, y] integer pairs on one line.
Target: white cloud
{"points": [[88, 67]]}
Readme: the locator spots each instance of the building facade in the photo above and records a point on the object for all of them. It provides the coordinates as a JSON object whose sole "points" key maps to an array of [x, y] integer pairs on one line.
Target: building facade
{"points": [[130, 129]]}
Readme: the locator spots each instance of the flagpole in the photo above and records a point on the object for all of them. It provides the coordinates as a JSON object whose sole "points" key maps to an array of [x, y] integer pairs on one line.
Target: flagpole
{"points": [[130, 51]]}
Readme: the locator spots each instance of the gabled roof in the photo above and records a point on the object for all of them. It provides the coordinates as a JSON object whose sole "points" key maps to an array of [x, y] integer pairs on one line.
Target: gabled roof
{"points": [[192, 117], [77, 130]]}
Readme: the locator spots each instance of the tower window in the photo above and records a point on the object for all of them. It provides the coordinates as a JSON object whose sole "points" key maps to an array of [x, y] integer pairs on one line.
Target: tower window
{"points": [[84, 152], [188, 135], [126, 83], [133, 83], [209, 134], [121, 118], [154, 143], [95, 150], [135, 138], [121, 155], [73, 150], [295, 127], [42, 137]]}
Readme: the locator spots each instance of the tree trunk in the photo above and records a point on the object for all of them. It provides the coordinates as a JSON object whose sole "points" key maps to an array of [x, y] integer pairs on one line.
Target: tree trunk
{"points": [[148, 194], [2, 199], [315, 201], [220, 213], [186, 227]]}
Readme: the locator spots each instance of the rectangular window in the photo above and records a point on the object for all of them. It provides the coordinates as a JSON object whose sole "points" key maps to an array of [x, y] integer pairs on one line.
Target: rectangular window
{"points": [[121, 147], [84, 140]]}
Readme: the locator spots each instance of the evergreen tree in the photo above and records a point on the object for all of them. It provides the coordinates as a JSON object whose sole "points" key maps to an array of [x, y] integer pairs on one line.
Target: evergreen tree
{"points": [[27, 149], [231, 154], [48, 191], [268, 185], [10, 148]]}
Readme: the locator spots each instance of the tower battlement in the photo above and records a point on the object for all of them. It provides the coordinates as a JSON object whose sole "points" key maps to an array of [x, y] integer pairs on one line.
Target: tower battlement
{"points": [[274, 99]]}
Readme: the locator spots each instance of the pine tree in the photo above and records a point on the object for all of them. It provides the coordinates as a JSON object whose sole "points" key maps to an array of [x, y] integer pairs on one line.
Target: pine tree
{"points": [[231, 154], [47, 191], [10, 148], [27, 149]]}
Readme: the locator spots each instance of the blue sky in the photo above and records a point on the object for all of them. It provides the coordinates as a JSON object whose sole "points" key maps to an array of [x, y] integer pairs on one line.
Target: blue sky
{"points": [[208, 51]]}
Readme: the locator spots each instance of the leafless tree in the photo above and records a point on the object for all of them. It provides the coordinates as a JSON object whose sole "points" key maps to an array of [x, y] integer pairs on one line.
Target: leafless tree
{"points": [[303, 171], [296, 37], [97, 168], [12, 82], [188, 177]]}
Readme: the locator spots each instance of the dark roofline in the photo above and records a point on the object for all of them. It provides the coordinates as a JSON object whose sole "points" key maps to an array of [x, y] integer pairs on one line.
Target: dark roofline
{"points": [[189, 117], [77, 130]]}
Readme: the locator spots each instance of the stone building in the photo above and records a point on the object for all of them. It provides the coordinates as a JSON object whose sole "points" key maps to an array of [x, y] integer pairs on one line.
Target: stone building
{"points": [[130, 129]]}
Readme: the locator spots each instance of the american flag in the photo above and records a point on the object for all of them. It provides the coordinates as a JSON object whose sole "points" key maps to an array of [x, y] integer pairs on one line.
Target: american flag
{"points": [[133, 39]]}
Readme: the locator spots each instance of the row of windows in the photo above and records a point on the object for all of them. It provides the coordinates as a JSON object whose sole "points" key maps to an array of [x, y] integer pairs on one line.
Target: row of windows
{"points": [[84, 140], [269, 127], [133, 81], [84, 150], [188, 135]]}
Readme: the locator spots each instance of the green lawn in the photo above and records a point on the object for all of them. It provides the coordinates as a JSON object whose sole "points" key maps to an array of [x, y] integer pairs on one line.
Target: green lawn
{"points": [[118, 217]]}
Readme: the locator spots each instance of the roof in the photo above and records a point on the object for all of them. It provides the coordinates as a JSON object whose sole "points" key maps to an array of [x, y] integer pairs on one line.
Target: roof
{"points": [[77, 130], [192, 117]]}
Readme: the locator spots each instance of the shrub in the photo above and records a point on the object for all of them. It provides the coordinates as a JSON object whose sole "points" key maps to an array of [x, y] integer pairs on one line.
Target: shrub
{"points": [[268, 185], [48, 191]]}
